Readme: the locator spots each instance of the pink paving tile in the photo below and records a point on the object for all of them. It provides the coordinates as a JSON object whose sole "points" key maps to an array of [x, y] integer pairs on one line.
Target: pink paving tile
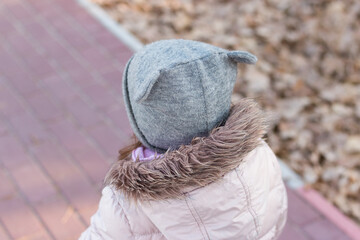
{"points": [[72, 182], [68, 63], [6, 26], [22, 81], [12, 154], [323, 229], [20, 220], [7, 190], [113, 78], [292, 232], [36, 31], [69, 7], [15, 71], [60, 218], [55, 161], [60, 89], [100, 95], [20, 45], [41, 6], [83, 112], [108, 40], [50, 16], [91, 25], [76, 39], [9, 103], [119, 118], [81, 78], [53, 48], [29, 129], [44, 106], [95, 165], [3, 234], [122, 56], [95, 58], [33, 182], [107, 139], [21, 13], [70, 137], [82, 195], [8, 65], [7, 3], [60, 25], [70, 13], [300, 212], [39, 67], [50, 46], [332, 213], [79, 148], [3, 129]]}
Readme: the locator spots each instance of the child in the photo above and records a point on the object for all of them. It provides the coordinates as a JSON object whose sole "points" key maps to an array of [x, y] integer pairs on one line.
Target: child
{"points": [[200, 169]]}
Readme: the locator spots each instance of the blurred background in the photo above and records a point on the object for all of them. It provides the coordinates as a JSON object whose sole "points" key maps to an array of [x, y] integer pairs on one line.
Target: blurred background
{"points": [[307, 76]]}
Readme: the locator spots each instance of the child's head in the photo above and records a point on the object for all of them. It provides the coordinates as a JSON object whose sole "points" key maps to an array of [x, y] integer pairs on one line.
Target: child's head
{"points": [[176, 90]]}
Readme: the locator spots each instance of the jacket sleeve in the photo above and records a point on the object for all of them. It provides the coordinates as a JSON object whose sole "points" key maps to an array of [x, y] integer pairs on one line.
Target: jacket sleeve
{"points": [[110, 220]]}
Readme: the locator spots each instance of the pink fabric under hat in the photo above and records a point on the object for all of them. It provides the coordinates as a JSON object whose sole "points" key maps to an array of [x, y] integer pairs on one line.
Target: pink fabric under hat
{"points": [[144, 154]]}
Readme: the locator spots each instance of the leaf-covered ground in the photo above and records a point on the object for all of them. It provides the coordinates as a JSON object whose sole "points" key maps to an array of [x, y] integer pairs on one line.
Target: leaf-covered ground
{"points": [[307, 76]]}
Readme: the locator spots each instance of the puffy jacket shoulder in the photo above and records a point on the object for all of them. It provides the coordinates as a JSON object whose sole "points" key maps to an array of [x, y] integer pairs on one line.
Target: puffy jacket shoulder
{"points": [[117, 218]]}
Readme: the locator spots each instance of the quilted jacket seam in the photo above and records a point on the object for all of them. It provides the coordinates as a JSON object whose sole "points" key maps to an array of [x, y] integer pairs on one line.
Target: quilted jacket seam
{"points": [[148, 234], [249, 203], [198, 215], [196, 220], [125, 216]]}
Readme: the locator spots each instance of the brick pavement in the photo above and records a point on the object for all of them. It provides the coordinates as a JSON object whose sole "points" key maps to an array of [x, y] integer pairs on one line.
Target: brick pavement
{"points": [[62, 121]]}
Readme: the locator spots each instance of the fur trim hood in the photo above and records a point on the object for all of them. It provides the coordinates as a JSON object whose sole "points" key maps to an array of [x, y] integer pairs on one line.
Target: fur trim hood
{"points": [[205, 160]]}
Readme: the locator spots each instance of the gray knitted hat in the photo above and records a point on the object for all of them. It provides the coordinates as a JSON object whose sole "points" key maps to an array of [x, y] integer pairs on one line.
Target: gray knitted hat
{"points": [[176, 90]]}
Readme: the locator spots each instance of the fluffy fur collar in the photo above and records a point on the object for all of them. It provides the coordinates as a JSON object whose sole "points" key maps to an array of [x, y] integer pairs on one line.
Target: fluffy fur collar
{"points": [[198, 164]]}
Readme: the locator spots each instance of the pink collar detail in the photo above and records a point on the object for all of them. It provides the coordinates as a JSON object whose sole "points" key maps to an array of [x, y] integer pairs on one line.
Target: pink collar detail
{"points": [[144, 154]]}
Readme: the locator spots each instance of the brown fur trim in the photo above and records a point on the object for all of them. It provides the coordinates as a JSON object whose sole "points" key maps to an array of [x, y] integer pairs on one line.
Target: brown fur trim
{"points": [[198, 164]]}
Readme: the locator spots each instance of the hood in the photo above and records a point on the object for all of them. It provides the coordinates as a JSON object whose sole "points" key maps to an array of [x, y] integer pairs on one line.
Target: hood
{"points": [[203, 161], [168, 86]]}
